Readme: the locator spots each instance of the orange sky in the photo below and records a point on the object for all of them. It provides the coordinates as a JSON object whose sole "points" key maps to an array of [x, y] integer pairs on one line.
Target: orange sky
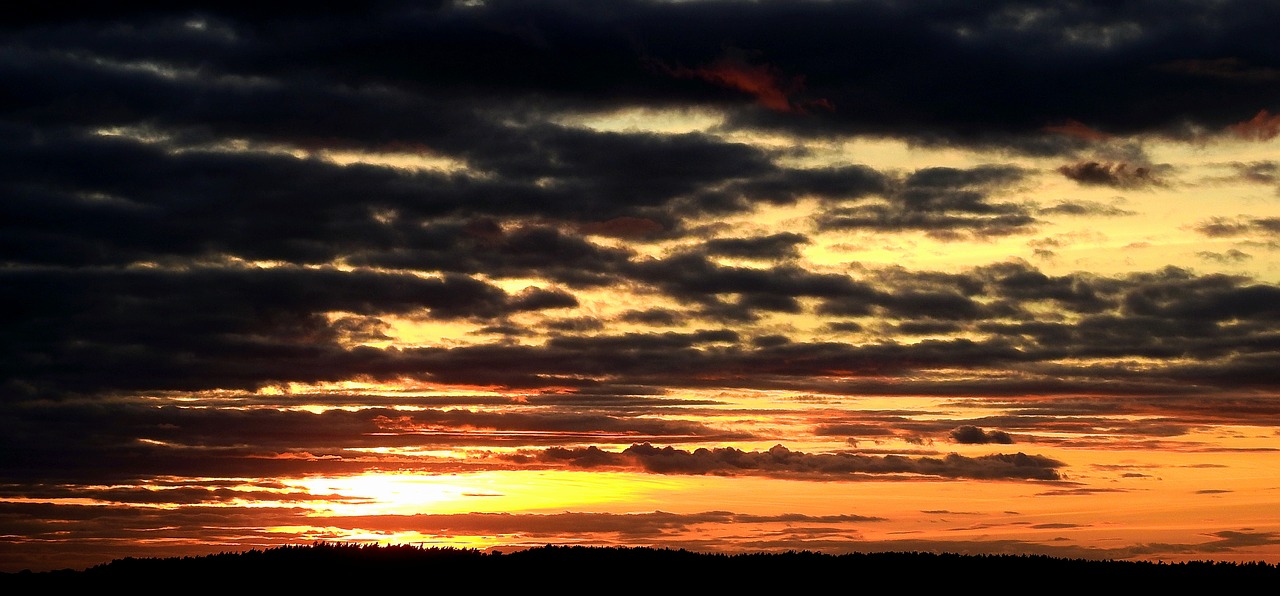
{"points": [[836, 276]]}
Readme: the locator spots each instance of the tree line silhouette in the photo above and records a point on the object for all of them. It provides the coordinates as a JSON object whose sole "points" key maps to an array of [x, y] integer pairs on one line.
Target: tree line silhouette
{"points": [[583, 569]]}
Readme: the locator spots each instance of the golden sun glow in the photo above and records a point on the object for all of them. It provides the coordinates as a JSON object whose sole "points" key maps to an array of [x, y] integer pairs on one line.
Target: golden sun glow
{"points": [[550, 490]]}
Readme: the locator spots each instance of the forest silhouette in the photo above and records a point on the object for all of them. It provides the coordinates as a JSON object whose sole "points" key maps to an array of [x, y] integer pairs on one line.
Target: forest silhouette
{"points": [[583, 569]]}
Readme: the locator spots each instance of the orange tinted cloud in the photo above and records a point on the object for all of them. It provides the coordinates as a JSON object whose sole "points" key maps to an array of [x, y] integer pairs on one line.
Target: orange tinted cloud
{"points": [[1078, 129], [1264, 126], [769, 85], [1221, 68]]}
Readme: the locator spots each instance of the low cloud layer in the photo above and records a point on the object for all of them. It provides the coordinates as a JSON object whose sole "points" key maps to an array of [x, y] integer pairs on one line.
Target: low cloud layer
{"points": [[782, 462]]}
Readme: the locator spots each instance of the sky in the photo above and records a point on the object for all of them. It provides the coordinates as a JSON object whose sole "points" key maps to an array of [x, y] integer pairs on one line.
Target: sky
{"points": [[727, 276]]}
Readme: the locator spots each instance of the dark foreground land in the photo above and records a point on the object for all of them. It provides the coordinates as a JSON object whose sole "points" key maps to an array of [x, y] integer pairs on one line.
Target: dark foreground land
{"points": [[581, 570]]}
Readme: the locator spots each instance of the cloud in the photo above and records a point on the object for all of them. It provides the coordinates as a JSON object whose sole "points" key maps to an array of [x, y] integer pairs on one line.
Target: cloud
{"points": [[947, 203], [782, 462], [655, 316], [1074, 128], [1231, 256], [118, 443], [554, 524], [1231, 68], [1118, 175], [623, 227], [786, 186], [434, 69], [975, 435], [695, 278], [580, 324], [1264, 126], [1231, 539], [1086, 208], [853, 430], [769, 86], [1224, 227], [533, 298], [776, 246], [541, 225], [1258, 172], [245, 327]]}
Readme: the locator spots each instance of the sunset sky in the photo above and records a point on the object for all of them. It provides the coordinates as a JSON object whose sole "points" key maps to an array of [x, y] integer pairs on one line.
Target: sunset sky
{"points": [[728, 276]]}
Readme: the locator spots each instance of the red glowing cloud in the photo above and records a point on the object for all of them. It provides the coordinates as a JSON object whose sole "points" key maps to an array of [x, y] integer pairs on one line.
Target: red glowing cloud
{"points": [[1079, 130], [769, 86], [1264, 126]]}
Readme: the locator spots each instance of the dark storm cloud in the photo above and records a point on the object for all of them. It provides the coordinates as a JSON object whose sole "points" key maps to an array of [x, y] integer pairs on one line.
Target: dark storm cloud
{"points": [[947, 203], [206, 327], [147, 147], [181, 495], [973, 434], [1118, 175], [1170, 313], [483, 246], [1225, 227], [951, 178], [1177, 294], [782, 462], [785, 186], [1161, 314], [1167, 415], [932, 72], [580, 324], [209, 327], [533, 298], [654, 316], [116, 443], [117, 526], [928, 328], [1047, 49], [140, 203], [695, 278], [942, 226], [147, 201], [776, 246], [1045, 423]]}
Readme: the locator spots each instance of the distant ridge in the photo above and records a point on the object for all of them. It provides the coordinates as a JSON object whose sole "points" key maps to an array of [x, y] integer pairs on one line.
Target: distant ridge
{"points": [[581, 569]]}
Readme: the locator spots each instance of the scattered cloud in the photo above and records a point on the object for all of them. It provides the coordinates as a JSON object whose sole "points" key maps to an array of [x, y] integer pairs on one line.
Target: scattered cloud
{"points": [[1230, 256], [1118, 175], [1086, 208], [973, 434]]}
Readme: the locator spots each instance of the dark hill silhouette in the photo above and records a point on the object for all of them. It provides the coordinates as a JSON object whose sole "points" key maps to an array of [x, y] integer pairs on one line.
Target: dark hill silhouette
{"points": [[578, 569]]}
